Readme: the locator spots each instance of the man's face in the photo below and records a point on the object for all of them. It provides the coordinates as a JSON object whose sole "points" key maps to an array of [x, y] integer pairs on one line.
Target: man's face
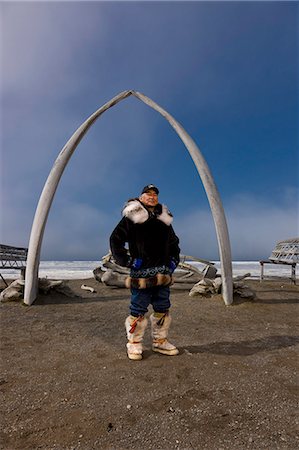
{"points": [[149, 198]]}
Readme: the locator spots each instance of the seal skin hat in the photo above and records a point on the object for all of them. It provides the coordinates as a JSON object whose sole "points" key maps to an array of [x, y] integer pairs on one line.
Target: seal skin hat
{"points": [[149, 187]]}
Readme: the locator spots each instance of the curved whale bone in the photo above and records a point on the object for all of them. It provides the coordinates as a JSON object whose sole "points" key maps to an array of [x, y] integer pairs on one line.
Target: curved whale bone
{"points": [[50, 187]]}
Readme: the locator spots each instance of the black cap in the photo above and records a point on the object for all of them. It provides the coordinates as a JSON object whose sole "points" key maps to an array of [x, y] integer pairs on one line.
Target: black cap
{"points": [[150, 187]]}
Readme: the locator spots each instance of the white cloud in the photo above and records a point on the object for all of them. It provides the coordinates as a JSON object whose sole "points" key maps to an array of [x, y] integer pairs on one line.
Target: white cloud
{"points": [[255, 226], [76, 231]]}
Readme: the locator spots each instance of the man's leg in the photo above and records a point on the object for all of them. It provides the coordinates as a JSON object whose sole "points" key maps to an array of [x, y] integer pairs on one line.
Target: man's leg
{"points": [[136, 323], [160, 322], [140, 300]]}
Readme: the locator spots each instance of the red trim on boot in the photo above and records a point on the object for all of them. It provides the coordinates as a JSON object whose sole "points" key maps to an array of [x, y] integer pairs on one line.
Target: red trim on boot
{"points": [[134, 324]]}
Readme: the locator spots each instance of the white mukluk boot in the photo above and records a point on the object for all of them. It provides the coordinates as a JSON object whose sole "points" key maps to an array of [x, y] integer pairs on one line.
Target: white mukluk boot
{"points": [[135, 328], [160, 325]]}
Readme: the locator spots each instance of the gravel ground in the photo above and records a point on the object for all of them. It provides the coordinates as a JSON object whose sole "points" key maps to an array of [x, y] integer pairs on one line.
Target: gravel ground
{"points": [[66, 382]]}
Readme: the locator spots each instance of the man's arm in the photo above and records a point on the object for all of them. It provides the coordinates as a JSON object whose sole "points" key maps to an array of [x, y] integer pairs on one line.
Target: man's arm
{"points": [[118, 239], [174, 249]]}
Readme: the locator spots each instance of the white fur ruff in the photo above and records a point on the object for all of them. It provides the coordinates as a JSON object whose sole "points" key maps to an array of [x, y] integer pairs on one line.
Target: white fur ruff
{"points": [[136, 212], [166, 216]]}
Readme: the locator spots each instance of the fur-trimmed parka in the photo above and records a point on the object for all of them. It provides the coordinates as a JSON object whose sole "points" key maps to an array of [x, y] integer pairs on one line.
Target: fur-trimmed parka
{"points": [[150, 236]]}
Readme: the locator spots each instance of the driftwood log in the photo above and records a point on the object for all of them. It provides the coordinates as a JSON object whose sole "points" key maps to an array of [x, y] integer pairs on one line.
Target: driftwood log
{"points": [[14, 292]]}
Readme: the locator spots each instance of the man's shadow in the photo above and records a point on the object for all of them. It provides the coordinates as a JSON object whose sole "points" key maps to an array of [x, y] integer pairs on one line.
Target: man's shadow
{"points": [[243, 348]]}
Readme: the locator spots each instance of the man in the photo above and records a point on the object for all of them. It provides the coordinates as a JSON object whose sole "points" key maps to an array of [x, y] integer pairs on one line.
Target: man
{"points": [[153, 256]]}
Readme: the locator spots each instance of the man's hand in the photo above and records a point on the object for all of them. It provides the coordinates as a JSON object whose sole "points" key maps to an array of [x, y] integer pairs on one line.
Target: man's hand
{"points": [[137, 263], [172, 265]]}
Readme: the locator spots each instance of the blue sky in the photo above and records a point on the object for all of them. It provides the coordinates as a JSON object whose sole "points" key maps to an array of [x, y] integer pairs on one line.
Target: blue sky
{"points": [[227, 71]]}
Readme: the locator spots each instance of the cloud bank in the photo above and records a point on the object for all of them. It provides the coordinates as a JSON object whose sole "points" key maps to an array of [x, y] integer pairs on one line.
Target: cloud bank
{"points": [[78, 231], [255, 226]]}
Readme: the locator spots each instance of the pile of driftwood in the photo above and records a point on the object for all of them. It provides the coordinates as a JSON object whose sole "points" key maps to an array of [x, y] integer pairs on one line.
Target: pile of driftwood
{"points": [[15, 291], [198, 281], [184, 277], [207, 287]]}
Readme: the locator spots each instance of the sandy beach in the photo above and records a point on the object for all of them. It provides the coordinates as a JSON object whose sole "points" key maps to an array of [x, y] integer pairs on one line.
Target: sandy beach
{"points": [[66, 382]]}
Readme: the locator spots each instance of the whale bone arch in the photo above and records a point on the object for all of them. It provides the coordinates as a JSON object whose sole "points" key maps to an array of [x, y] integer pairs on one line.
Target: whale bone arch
{"points": [[47, 195]]}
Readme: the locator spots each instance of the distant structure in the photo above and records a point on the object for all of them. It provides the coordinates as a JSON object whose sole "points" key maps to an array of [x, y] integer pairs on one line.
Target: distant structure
{"points": [[47, 195], [286, 251]]}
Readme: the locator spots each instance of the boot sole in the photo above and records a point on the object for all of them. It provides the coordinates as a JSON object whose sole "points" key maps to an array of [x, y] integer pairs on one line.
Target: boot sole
{"points": [[166, 352], [134, 357]]}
